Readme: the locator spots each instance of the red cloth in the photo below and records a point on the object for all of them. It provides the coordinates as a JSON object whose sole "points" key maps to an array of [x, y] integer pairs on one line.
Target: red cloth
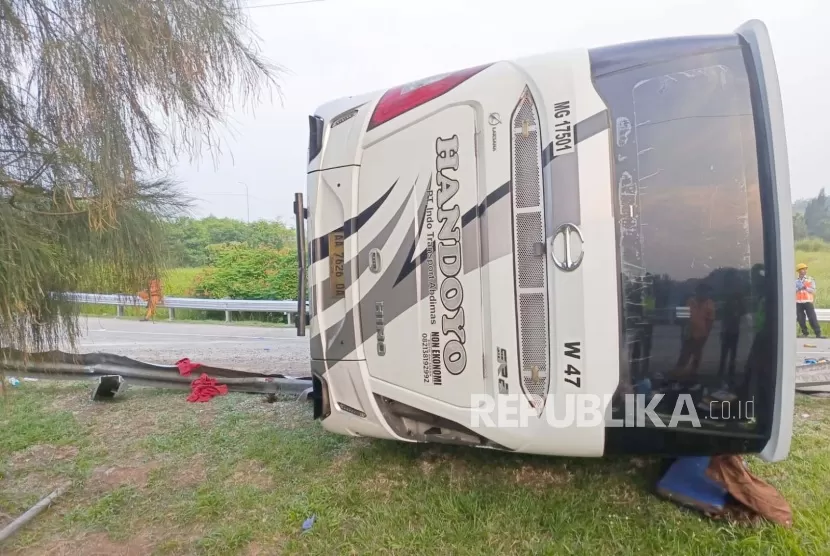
{"points": [[186, 367], [204, 388]]}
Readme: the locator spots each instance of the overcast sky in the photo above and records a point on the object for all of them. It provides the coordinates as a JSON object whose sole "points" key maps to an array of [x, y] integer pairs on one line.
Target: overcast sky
{"points": [[335, 48]]}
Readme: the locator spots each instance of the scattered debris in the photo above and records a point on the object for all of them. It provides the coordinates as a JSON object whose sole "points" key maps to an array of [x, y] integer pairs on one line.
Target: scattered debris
{"points": [[714, 485], [14, 381], [41, 456], [204, 388], [186, 367], [12, 527], [57, 365], [811, 361], [309, 522], [686, 483], [752, 492], [107, 387]]}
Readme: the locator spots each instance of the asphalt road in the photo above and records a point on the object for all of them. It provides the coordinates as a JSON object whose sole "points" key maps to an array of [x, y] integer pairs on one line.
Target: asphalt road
{"points": [[807, 348], [280, 350], [264, 350]]}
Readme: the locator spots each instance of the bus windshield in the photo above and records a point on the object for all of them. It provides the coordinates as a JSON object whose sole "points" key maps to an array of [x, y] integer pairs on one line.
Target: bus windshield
{"points": [[690, 233]]}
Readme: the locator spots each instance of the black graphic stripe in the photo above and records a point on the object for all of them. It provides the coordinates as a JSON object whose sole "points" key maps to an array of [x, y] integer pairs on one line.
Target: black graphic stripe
{"points": [[352, 225], [320, 245], [409, 265], [478, 210], [583, 130]]}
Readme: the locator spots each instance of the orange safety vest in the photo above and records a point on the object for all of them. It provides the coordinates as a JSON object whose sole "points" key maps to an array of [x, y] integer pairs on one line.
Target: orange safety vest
{"points": [[805, 296], [702, 315], [155, 288]]}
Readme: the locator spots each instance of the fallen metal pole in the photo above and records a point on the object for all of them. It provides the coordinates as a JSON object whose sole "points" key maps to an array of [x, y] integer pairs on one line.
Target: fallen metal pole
{"points": [[13, 358], [58, 365], [158, 378], [12, 527], [808, 376], [250, 385]]}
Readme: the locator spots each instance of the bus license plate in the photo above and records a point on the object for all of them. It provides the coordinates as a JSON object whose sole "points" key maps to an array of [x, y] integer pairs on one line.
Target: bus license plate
{"points": [[337, 276]]}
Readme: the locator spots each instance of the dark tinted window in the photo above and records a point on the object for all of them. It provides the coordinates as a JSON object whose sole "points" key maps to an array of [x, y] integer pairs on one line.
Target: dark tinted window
{"points": [[691, 243]]}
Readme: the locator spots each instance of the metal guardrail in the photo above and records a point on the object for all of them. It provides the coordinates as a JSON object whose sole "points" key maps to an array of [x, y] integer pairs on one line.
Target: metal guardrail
{"points": [[289, 307], [823, 315], [172, 303]]}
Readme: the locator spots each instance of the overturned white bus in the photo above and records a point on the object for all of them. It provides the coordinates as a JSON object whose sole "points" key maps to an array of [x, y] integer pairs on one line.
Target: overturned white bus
{"points": [[578, 253]]}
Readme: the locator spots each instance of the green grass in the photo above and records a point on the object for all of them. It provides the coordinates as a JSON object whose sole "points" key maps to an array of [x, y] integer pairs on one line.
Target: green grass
{"points": [[239, 476]]}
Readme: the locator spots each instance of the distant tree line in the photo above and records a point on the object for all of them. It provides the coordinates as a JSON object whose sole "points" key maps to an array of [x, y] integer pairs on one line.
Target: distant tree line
{"points": [[194, 242], [811, 217], [238, 260]]}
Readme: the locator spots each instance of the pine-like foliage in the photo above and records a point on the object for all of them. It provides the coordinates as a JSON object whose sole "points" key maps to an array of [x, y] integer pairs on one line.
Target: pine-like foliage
{"points": [[98, 98]]}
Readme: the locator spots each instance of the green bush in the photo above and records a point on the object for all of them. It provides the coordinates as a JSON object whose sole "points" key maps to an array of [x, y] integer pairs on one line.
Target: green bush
{"points": [[189, 238], [238, 271], [812, 245]]}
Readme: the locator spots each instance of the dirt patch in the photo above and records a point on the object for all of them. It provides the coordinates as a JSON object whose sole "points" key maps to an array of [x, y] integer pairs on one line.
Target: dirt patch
{"points": [[41, 455], [121, 424], [140, 413], [77, 403], [640, 463], [533, 476], [266, 548], [381, 485], [431, 459], [341, 461], [99, 544], [27, 483], [624, 494], [190, 473], [253, 473], [108, 478]]}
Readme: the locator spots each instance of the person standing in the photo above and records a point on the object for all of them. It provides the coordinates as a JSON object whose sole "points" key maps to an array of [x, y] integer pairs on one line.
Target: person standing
{"points": [[701, 319], [805, 295], [153, 296], [734, 309]]}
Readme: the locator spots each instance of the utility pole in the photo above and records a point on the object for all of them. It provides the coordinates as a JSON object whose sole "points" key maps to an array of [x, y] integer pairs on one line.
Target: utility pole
{"points": [[247, 201]]}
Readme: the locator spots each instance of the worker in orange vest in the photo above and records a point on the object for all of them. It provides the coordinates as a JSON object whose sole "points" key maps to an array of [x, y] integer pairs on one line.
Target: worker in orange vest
{"points": [[701, 320], [805, 296], [152, 296]]}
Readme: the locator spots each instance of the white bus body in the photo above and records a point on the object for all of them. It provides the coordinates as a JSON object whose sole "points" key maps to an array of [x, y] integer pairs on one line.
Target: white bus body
{"points": [[488, 250]]}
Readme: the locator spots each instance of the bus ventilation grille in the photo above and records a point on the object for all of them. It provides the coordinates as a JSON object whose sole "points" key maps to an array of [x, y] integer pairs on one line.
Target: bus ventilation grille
{"points": [[529, 229]]}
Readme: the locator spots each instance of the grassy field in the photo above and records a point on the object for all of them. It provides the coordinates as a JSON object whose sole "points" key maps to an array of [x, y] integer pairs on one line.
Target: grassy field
{"points": [[153, 474]]}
